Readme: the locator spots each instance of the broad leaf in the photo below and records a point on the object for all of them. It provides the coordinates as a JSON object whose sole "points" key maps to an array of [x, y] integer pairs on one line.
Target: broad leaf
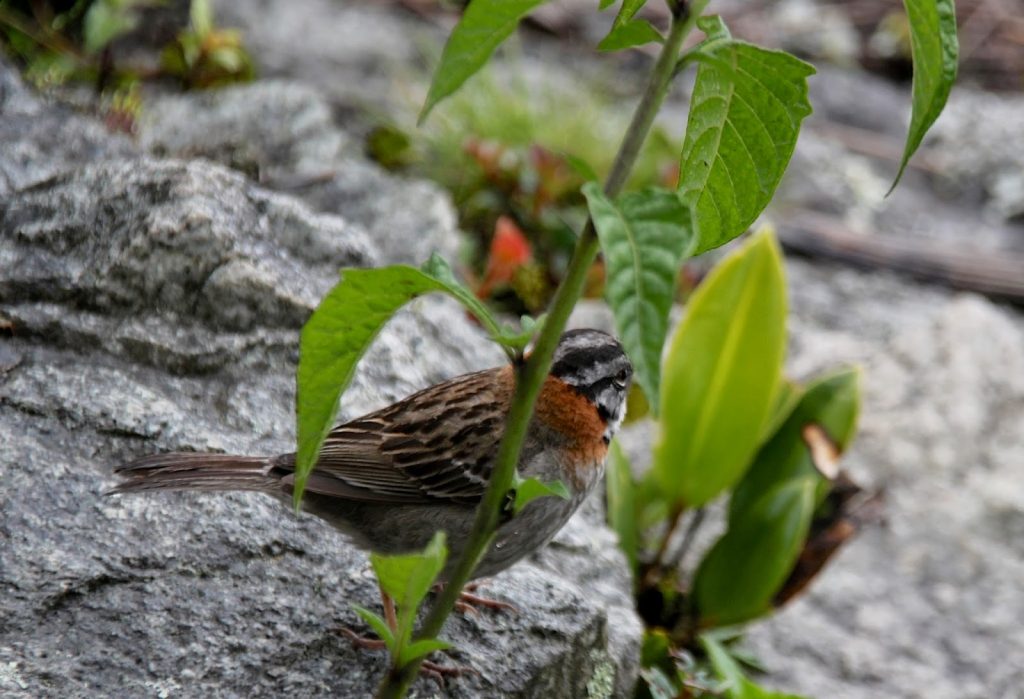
{"points": [[340, 331], [645, 236], [743, 570], [484, 25], [745, 115], [636, 32], [833, 404], [935, 50], [407, 578], [721, 374], [529, 489], [739, 687], [622, 501]]}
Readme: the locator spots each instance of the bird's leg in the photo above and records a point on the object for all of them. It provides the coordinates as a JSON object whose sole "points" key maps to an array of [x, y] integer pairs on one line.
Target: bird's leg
{"points": [[389, 616], [470, 603], [431, 669]]}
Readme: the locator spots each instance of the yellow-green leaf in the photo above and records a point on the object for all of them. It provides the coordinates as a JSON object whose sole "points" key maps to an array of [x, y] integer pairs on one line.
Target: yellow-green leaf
{"points": [[721, 375], [621, 492]]}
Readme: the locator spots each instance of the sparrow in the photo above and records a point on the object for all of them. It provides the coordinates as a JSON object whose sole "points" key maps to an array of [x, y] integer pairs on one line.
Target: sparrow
{"points": [[390, 479]]}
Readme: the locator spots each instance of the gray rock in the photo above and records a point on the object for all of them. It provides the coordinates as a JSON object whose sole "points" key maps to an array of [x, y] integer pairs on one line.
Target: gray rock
{"points": [[40, 138], [980, 142], [151, 305], [285, 133]]}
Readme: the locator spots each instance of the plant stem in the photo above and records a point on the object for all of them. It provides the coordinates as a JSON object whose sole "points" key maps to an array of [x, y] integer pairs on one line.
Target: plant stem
{"points": [[531, 375], [688, 536]]}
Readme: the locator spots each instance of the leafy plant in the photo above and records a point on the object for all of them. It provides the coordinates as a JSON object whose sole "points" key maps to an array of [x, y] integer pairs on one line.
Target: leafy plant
{"points": [[407, 580], [729, 423], [57, 45]]}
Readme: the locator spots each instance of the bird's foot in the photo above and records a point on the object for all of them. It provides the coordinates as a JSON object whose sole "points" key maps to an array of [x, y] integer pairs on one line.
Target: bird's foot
{"points": [[471, 603]]}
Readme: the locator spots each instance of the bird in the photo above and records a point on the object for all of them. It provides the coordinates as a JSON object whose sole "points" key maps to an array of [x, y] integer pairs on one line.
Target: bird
{"points": [[390, 479]]}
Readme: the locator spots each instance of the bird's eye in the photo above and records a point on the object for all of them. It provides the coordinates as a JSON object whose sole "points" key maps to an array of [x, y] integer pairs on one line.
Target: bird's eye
{"points": [[621, 378]]}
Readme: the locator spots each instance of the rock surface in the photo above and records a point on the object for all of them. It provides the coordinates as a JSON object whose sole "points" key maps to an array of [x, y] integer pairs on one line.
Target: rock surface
{"points": [[151, 304]]}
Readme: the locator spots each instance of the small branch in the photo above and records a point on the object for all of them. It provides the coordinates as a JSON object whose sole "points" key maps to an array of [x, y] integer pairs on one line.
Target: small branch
{"points": [[688, 537], [654, 569], [530, 377]]}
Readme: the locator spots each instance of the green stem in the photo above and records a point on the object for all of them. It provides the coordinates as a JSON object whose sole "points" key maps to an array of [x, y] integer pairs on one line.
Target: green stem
{"points": [[530, 377]]}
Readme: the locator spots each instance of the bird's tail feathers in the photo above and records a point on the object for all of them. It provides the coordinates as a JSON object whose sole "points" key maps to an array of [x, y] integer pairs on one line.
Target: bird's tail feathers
{"points": [[196, 471]]}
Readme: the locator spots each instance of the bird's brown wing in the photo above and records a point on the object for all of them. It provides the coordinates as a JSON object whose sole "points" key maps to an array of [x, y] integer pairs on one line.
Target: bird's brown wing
{"points": [[437, 445]]}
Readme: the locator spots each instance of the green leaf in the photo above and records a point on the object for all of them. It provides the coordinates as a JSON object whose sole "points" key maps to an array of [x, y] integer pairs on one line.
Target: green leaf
{"points": [[935, 50], [786, 400], [626, 31], [645, 236], [418, 649], [407, 578], [439, 270], [833, 403], [339, 332], [622, 501], [745, 114], [105, 21], [635, 32], [745, 568], [721, 373], [379, 626], [484, 25], [729, 670], [581, 167], [529, 489]]}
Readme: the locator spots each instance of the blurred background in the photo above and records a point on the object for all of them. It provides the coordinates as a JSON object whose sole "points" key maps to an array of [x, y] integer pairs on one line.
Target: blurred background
{"points": [[317, 100]]}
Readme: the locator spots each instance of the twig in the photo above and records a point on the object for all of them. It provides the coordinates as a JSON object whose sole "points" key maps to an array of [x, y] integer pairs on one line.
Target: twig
{"points": [[688, 537]]}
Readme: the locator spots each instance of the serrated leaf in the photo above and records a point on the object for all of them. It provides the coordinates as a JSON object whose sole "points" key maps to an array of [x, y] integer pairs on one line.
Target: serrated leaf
{"points": [[935, 51], [529, 489], [645, 236], [833, 403], [418, 649], [379, 626], [745, 114], [739, 687], [484, 25], [338, 333], [636, 32], [622, 501], [721, 375], [749, 563]]}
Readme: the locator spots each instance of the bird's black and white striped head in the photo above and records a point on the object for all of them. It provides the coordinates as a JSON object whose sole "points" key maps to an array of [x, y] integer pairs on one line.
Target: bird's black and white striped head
{"points": [[596, 365]]}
